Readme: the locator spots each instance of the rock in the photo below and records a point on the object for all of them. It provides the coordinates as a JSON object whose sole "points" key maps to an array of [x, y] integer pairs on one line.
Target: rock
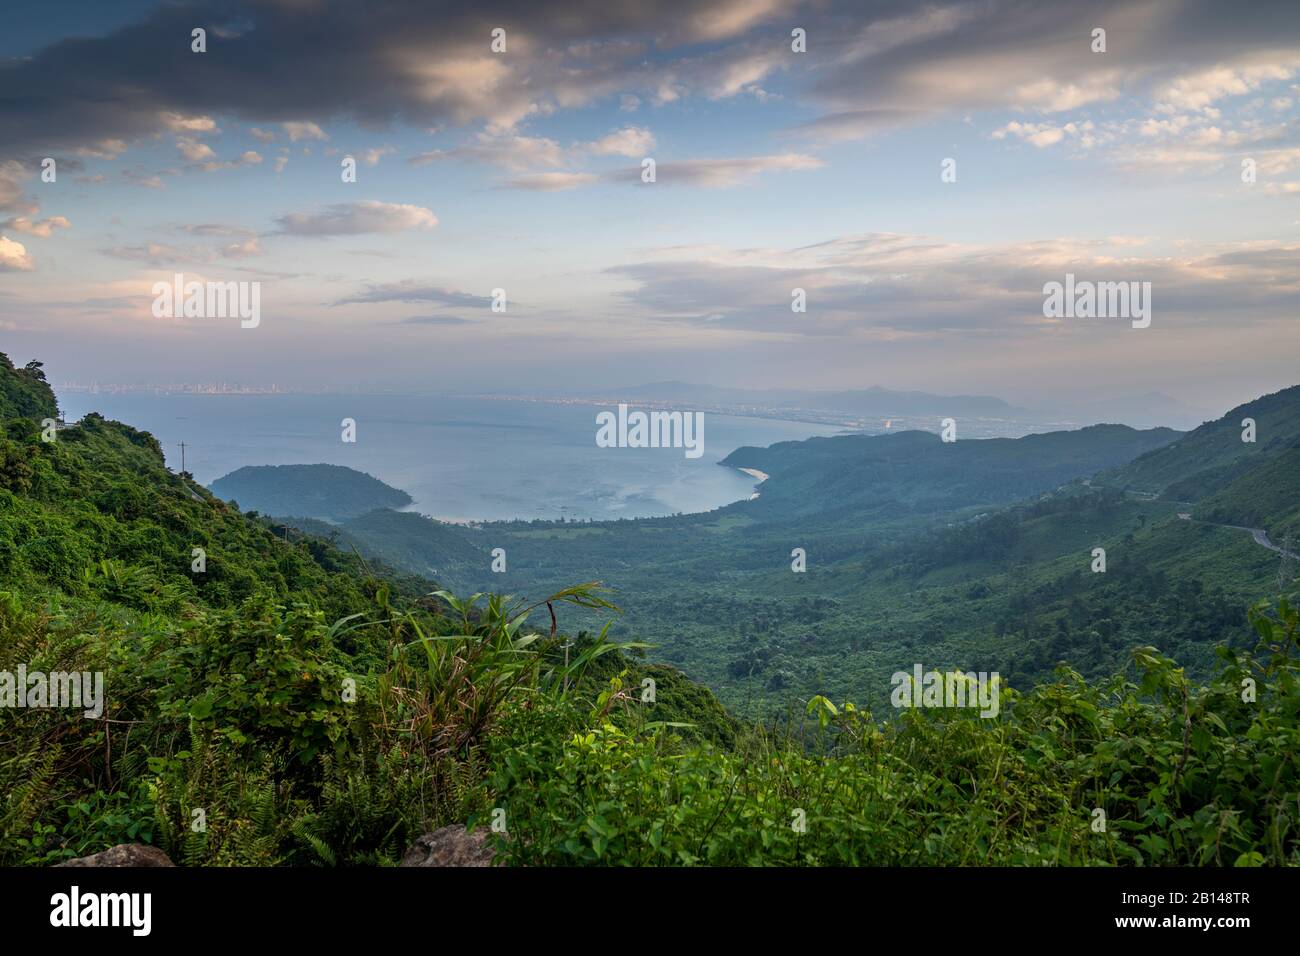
{"points": [[450, 846], [124, 854]]}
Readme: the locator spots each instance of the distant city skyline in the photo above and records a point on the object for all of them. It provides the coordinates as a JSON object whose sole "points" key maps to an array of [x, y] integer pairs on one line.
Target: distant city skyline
{"points": [[913, 175]]}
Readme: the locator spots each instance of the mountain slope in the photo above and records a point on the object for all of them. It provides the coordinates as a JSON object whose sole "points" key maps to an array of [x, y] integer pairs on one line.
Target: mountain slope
{"points": [[920, 472], [1209, 458], [310, 705], [322, 720], [331, 492], [24, 392], [1267, 496], [868, 402]]}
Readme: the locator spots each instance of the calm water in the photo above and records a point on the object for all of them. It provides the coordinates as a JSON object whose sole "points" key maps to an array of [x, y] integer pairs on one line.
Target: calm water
{"points": [[458, 458]]}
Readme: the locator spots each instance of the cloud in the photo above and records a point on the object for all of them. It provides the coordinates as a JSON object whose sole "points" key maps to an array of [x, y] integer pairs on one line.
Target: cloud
{"points": [[13, 199], [435, 320], [719, 173], [413, 291], [1272, 162], [154, 253], [12, 175], [104, 149], [1042, 135], [1037, 57], [903, 287], [141, 177], [14, 257], [508, 151], [300, 129], [705, 173], [1193, 142], [633, 141], [1196, 91], [427, 65], [194, 151], [161, 254], [215, 229], [728, 18], [43, 228], [179, 123], [246, 158], [520, 154], [350, 219], [552, 182], [855, 124], [244, 249], [371, 157], [202, 155]]}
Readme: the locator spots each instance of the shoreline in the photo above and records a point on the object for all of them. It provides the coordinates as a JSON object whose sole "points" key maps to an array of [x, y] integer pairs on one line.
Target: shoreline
{"points": [[759, 476], [478, 524]]}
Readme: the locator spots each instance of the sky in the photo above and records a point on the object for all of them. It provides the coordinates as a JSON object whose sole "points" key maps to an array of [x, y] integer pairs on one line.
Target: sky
{"points": [[776, 168]]}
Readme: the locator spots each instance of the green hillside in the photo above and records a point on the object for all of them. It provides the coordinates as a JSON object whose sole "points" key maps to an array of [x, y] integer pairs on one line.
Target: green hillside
{"points": [[1211, 457], [921, 473], [288, 702], [443, 550], [226, 668], [96, 513], [919, 559], [24, 392], [330, 492], [1267, 496]]}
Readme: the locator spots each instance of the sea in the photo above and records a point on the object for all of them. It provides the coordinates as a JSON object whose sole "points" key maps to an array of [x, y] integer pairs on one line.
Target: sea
{"points": [[461, 459]]}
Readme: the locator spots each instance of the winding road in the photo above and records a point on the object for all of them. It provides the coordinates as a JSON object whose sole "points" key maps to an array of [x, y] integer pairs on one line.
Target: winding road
{"points": [[1259, 534]]}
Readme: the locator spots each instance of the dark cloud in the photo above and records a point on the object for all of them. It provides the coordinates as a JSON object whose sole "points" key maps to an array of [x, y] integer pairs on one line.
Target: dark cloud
{"points": [[435, 320], [1037, 56], [426, 63], [412, 291], [273, 61]]}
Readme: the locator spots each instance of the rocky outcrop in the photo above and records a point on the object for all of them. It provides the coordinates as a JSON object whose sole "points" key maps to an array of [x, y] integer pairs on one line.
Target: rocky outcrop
{"points": [[450, 846], [124, 854]]}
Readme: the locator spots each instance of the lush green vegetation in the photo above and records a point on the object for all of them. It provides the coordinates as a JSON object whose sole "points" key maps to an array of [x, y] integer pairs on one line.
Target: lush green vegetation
{"points": [[1263, 497], [919, 472], [1210, 457], [1150, 771], [24, 392], [307, 705], [913, 553], [332, 492]]}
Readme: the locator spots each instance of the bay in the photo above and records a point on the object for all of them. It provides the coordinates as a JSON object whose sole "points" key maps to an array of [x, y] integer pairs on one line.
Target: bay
{"points": [[461, 459]]}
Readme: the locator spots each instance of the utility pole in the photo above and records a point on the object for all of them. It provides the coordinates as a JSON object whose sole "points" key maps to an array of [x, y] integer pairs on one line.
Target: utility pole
{"points": [[182, 444]]}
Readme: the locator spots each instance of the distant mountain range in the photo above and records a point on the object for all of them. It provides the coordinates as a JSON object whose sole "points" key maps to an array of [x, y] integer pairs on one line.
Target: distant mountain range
{"points": [[873, 402], [1148, 410], [918, 471]]}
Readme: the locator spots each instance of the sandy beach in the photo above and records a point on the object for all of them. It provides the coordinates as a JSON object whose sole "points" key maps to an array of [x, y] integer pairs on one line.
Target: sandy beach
{"points": [[757, 475]]}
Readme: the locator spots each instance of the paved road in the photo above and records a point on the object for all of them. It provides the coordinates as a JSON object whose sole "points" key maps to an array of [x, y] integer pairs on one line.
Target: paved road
{"points": [[1259, 534]]}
